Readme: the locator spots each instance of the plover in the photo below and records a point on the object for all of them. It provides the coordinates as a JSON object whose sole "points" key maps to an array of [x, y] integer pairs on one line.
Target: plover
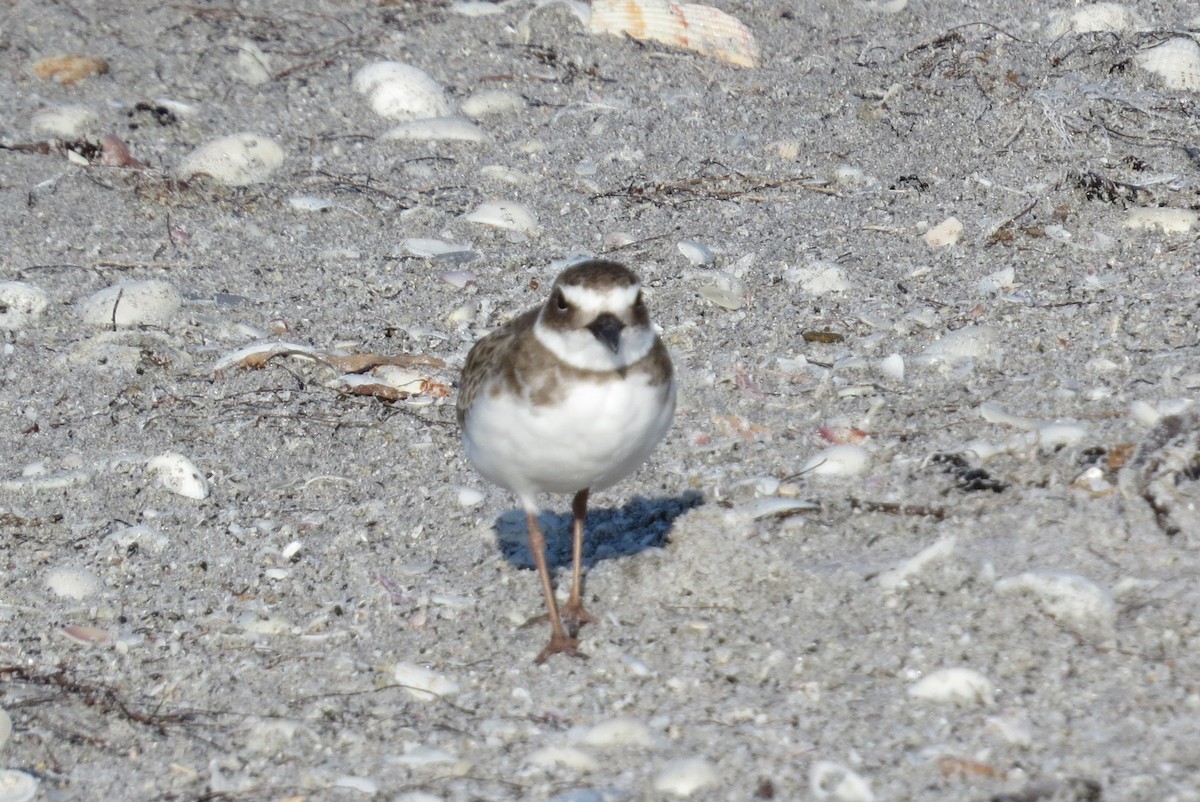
{"points": [[569, 397]]}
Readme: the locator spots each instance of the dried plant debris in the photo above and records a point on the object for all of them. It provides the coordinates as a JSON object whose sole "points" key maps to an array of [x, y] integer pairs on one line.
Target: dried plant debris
{"points": [[967, 478], [388, 378], [1097, 187], [1164, 472], [1074, 789]]}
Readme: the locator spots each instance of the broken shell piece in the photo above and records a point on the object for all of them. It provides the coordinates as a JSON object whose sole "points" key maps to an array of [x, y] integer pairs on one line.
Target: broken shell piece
{"points": [[1176, 61], [401, 91], [423, 683], [892, 367], [898, 577], [132, 303], [72, 583], [1095, 18], [969, 342], [236, 160], [504, 214], [437, 129], [178, 474], [21, 303], [819, 278], [685, 776], [945, 233], [488, 102], [702, 29], [843, 460], [17, 786], [63, 122], [954, 685], [722, 297], [69, 70], [1073, 600], [620, 731], [1167, 220], [697, 253], [829, 780], [251, 65]]}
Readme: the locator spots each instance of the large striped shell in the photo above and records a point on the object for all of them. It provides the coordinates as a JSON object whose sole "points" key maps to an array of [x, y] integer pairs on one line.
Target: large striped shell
{"points": [[1176, 61], [699, 28]]}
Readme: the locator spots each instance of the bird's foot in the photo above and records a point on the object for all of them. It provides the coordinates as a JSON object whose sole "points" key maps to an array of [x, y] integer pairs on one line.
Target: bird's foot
{"points": [[563, 644], [574, 616]]}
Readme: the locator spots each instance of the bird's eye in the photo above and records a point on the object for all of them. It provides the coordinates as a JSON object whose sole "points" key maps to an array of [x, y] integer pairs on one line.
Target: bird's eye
{"points": [[560, 302]]}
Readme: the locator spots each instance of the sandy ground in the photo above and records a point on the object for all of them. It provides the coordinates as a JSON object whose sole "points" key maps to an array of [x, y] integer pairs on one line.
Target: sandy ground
{"points": [[996, 599]]}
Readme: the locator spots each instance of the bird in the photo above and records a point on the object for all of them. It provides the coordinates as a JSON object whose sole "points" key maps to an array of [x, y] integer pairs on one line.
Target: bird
{"points": [[568, 397]]}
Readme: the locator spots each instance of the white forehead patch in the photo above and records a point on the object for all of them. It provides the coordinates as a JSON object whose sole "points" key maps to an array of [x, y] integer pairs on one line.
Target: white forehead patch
{"points": [[594, 301]]}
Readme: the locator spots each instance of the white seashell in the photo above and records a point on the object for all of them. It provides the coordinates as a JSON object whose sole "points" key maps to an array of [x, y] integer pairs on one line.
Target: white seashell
{"points": [[892, 367], [850, 176], [569, 757], [422, 246], [886, 6], [460, 279], [969, 342], [897, 578], [1095, 18], [620, 731], [133, 303], [488, 102], [1167, 220], [846, 459], [722, 297], [702, 29], [401, 91], [954, 685], [946, 233], [308, 203], [17, 786], [251, 65], [21, 303], [236, 160], [1068, 598], [423, 683], [1013, 726], [177, 107], [363, 785], [766, 507], [470, 497], [422, 756], [72, 583], [63, 122], [1001, 280], [437, 129], [819, 278], [178, 474], [6, 727], [255, 624], [506, 175], [504, 214], [697, 253], [829, 780], [1176, 61], [476, 8], [686, 776]]}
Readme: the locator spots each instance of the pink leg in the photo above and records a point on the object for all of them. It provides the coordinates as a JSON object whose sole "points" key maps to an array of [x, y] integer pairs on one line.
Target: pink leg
{"points": [[559, 640], [574, 612]]}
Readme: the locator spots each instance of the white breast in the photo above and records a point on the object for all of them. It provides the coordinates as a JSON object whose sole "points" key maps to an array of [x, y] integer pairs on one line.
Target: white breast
{"points": [[599, 434]]}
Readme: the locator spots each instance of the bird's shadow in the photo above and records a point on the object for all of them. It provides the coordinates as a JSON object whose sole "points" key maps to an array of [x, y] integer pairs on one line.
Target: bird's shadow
{"points": [[643, 523]]}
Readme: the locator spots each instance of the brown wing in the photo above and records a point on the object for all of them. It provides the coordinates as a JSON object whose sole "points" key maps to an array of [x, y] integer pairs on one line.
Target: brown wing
{"points": [[487, 358]]}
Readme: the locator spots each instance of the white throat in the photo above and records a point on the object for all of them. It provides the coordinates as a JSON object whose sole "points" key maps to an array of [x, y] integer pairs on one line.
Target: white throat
{"points": [[579, 348]]}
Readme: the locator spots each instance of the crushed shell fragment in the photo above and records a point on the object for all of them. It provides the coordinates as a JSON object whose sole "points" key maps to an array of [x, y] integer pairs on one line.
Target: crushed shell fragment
{"points": [[132, 303], [72, 583], [423, 683], [504, 214], [841, 460], [21, 303], [948, 232], [69, 70], [699, 28], [954, 685], [1074, 600], [63, 122], [236, 160], [829, 780], [401, 91], [436, 129], [1164, 219], [1176, 61], [686, 776], [17, 786], [178, 474]]}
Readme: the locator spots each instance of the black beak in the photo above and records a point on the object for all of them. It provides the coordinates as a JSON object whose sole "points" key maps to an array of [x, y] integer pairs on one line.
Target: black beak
{"points": [[607, 329]]}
